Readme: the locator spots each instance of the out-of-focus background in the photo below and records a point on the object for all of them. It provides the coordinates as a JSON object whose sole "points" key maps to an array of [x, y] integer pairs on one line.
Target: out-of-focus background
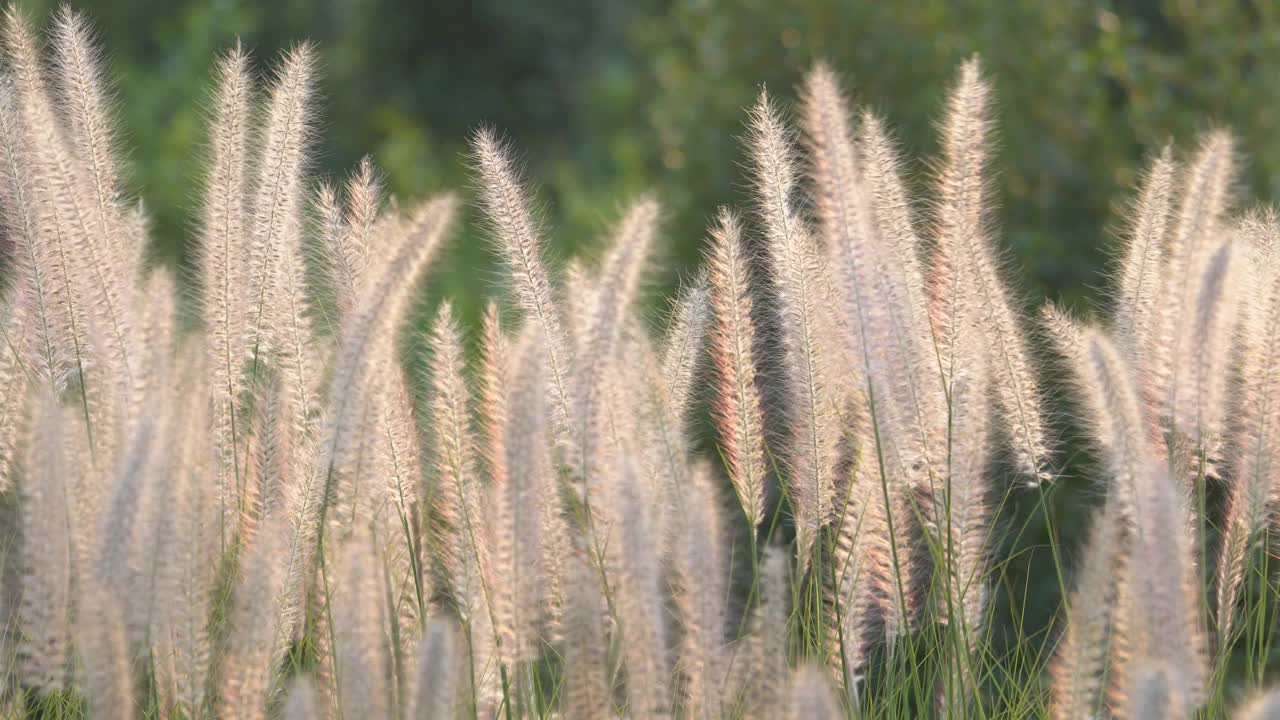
{"points": [[608, 98]]}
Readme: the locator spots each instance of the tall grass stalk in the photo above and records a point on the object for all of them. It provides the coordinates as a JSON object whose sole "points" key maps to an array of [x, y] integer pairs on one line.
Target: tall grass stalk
{"points": [[279, 506]]}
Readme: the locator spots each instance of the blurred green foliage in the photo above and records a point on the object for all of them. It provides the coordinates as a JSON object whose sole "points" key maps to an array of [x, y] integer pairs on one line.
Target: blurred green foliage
{"points": [[608, 98]]}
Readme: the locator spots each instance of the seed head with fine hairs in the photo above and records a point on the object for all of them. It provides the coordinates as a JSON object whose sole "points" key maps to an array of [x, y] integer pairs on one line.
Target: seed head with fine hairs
{"points": [[967, 263], [797, 276], [275, 505], [736, 405]]}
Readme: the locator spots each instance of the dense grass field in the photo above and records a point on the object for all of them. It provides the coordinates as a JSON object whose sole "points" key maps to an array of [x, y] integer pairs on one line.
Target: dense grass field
{"points": [[824, 487]]}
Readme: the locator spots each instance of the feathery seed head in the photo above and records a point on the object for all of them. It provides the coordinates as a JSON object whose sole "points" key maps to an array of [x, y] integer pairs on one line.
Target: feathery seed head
{"points": [[1079, 665], [799, 281], [520, 246], [1201, 407], [811, 695], [736, 406], [437, 681], [1263, 707], [970, 294], [682, 353], [1136, 312]]}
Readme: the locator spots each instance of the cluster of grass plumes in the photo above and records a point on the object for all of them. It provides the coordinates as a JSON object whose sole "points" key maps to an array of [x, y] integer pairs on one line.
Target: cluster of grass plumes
{"points": [[1175, 592], [257, 509]]}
